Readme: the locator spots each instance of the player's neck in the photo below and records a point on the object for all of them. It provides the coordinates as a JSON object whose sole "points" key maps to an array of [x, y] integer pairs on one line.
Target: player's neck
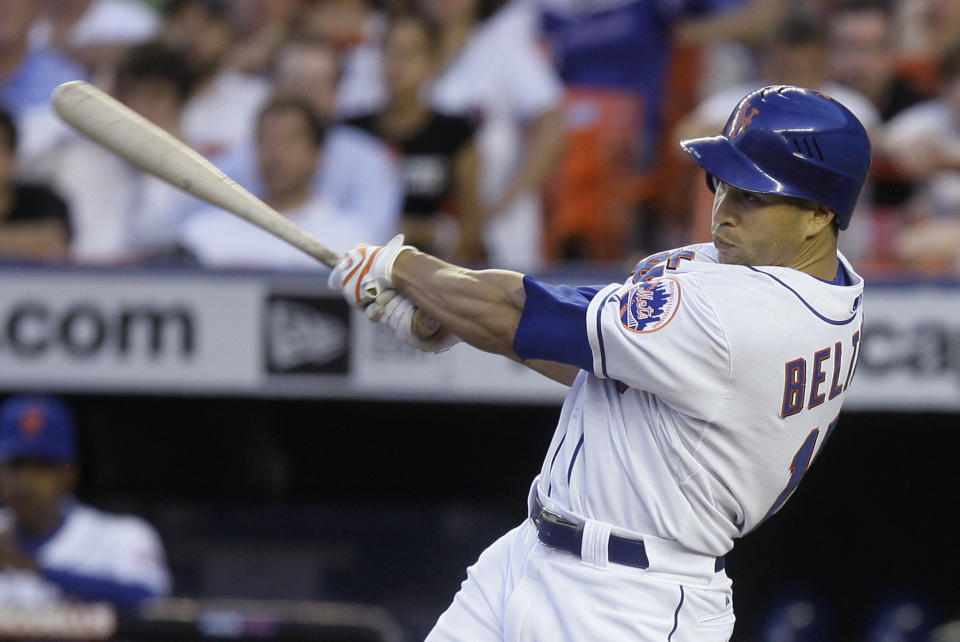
{"points": [[817, 258]]}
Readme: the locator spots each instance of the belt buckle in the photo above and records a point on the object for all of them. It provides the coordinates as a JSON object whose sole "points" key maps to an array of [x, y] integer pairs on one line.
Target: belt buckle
{"points": [[550, 516]]}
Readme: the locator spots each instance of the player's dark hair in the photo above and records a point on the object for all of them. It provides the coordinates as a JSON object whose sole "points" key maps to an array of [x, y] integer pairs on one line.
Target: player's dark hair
{"points": [[8, 128], [155, 61], [318, 131]]}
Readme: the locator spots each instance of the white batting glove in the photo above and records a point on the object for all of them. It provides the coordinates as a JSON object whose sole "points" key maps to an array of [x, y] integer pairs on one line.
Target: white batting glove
{"points": [[392, 309], [365, 271]]}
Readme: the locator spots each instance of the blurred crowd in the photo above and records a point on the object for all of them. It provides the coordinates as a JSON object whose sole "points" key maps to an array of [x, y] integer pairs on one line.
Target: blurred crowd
{"points": [[515, 133]]}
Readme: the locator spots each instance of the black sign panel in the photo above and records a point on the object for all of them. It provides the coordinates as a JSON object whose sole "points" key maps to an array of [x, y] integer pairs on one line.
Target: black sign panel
{"points": [[306, 335]]}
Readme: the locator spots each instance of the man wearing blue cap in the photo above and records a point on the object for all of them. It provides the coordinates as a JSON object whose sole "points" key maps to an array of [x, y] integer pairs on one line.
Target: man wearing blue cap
{"points": [[53, 549]]}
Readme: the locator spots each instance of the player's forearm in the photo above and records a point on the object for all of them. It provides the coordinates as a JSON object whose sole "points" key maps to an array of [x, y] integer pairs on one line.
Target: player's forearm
{"points": [[483, 307]]}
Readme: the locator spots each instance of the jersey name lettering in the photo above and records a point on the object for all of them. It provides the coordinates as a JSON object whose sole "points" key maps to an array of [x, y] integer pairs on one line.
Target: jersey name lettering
{"points": [[795, 397]]}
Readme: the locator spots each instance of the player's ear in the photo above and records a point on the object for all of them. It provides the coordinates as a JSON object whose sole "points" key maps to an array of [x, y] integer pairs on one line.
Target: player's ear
{"points": [[819, 218]]}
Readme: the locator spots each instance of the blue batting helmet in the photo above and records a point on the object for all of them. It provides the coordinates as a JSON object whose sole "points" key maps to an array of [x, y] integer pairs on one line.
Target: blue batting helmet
{"points": [[793, 142]]}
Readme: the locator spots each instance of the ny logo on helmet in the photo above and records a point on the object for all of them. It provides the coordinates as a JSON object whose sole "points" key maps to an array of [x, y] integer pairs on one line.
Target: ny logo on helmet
{"points": [[743, 120]]}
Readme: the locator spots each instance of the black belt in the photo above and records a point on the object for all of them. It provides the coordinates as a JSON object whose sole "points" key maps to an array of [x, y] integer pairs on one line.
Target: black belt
{"points": [[556, 532]]}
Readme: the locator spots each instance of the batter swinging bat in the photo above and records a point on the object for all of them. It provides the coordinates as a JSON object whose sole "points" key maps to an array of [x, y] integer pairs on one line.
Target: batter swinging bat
{"points": [[142, 143]]}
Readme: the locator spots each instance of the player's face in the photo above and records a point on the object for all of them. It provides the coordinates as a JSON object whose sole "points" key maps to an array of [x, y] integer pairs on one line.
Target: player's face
{"points": [[33, 490], [750, 228]]}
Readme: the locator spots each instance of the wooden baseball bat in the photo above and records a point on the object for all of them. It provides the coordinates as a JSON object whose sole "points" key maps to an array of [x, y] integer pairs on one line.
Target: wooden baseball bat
{"points": [[140, 142]]}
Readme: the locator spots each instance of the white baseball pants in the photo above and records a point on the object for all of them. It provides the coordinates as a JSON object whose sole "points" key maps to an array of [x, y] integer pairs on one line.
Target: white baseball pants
{"points": [[520, 590]]}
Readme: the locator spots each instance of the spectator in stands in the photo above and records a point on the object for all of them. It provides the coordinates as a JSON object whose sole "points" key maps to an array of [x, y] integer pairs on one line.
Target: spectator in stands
{"points": [[439, 165], [491, 66], [34, 221], [28, 75], [289, 145], [863, 53], [793, 54], [924, 143], [52, 548], [614, 58], [221, 112], [354, 28], [27, 78], [927, 29], [309, 68], [120, 213], [263, 26], [94, 32], [353, 160]]}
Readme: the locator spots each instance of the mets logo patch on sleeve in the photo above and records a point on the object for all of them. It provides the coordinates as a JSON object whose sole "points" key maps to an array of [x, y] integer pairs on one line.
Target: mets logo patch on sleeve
{"points": [[649, 306]]}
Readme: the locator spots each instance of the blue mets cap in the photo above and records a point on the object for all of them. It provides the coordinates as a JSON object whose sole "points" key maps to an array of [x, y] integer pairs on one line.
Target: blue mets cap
{"points": [[35, 427]]}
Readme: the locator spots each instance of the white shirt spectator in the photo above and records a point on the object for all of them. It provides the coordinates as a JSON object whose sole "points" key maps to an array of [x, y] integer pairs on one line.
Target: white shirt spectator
{"points": [[224, 114], [222, 240], [503, 76], [356, 174], [360, 175], [105, 22], [90, 545], [914, 129], [117, 211], [361, 89]]}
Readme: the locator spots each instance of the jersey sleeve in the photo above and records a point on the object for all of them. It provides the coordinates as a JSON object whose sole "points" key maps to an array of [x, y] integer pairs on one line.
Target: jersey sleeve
{"points": [[553, 325], [140, 558], [663, 336]]}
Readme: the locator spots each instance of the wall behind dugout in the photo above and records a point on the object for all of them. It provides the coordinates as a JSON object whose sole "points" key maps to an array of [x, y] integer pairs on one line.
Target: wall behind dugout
{"points": [[403, 496]]}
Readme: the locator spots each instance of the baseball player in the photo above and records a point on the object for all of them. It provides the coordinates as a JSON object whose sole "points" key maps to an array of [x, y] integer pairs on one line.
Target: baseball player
{"points": [[701, 388], [53, 549]]}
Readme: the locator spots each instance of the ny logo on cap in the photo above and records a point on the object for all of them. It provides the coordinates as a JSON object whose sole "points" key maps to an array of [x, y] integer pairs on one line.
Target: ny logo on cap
{"points": [[32, 421], [743, 119]]}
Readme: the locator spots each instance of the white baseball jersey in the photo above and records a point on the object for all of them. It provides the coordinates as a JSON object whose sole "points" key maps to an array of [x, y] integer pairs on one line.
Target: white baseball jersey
{"points": [[705, 391], [90, 544], [711, 389]]}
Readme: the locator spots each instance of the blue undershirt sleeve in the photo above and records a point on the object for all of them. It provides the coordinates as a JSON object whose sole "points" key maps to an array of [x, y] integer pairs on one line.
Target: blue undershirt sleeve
{"points": [[123, 595], [553, 325]]}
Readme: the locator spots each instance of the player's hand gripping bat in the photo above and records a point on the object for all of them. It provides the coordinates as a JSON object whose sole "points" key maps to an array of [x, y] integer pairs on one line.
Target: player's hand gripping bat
{"points": [[142, 143]]}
